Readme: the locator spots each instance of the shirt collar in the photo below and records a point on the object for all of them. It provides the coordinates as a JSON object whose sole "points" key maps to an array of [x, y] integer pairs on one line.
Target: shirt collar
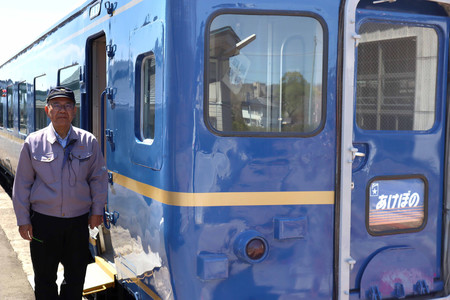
{"points": [[62, 141]]}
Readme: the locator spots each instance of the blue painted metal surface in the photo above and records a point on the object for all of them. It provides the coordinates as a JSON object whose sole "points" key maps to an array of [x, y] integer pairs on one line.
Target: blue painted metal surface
{"points": [[196, 160], [404, 153], [196, 252], [395, 271]]}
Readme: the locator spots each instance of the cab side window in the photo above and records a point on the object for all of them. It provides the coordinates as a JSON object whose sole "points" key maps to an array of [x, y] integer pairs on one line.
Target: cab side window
{"points": [[23, 114], [264, 79], [70, 77], [40, 95], [10, 107], [396, 77], [148, 98]]}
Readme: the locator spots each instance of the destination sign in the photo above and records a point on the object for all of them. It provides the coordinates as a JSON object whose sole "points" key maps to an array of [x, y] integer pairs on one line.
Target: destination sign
{"points": [[396, 204]]}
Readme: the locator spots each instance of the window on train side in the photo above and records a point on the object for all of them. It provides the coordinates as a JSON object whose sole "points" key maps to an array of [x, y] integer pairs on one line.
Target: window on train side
{"points": [[70, 77], [2, 105], [263, 77], [396, 77], [9, 107], [40, 94], [147, 105], [23, 115]]}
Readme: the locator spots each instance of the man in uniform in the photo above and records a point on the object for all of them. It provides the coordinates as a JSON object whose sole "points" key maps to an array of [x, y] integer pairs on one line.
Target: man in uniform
{"points": [[59, 190]]}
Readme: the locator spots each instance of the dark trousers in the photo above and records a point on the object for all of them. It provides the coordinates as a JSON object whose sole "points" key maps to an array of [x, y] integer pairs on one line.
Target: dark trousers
{"points": [[59, 240]]}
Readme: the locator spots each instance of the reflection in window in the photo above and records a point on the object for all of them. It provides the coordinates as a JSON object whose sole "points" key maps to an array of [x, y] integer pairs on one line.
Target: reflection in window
{"points": [[70, 77], [9, 107], [148, 98], [23, 116], [396, 77], [40, 95], [262, 76], [2, 105]]}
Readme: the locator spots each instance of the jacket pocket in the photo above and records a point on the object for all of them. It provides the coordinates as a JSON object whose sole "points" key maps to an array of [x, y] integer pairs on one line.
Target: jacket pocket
{"points": [[44, 164], [81, 155], [80, 163]]}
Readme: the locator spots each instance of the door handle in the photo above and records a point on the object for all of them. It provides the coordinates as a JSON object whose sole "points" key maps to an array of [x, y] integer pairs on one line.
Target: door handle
{"points": [[356, 153], [359, 155]]}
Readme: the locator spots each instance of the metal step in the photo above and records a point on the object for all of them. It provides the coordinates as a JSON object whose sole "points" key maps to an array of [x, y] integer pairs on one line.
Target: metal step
{"points": [[100, 276]]}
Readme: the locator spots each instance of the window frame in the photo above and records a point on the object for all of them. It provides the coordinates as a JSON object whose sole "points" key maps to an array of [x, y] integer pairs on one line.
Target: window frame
{"points": [[436, 110], [325, 35], [77, 120], [10, 107], [397, 231], [3, 107], [35, 99], [139, 127], [21, 108]]}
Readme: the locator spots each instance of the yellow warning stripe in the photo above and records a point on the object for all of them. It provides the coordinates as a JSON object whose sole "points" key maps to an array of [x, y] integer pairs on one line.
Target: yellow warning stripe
{"points": [[226, 199]]}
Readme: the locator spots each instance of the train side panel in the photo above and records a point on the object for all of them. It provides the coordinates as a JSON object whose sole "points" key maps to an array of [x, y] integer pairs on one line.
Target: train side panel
{"points": [[185, 215]]}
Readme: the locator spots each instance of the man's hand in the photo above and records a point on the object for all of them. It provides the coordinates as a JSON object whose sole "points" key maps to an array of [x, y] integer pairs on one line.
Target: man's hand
{"points": [[95, 220], [26, 232]]}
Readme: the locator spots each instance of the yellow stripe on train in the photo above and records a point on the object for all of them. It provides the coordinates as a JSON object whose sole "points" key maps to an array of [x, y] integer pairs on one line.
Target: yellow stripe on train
{"points": [[226, 199]]}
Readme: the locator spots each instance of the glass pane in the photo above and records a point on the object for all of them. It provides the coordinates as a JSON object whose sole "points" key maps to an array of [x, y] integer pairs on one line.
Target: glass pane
{"points": [[23, 120], [396, 205], [396, 77], [40, 94], [70, 77], [10, 108], [2, 105], [148, 99], [263, 76]]}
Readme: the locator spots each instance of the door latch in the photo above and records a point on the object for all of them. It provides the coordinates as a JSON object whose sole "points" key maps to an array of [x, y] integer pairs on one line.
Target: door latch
{"points": [[110, 178], [109, 94], [109, 133], [110, 218], [351, 262], [355, 153]]}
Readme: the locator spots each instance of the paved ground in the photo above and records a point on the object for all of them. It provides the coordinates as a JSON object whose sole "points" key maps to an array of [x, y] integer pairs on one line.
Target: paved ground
{"points": [[14, 256], [16, 269]]}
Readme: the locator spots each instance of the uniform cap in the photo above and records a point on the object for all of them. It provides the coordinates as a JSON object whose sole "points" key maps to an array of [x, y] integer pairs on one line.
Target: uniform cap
{"points": [[60, 92]]}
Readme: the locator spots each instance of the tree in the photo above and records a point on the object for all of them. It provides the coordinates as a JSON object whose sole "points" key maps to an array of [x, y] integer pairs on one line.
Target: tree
{"points": [[294, 104]]}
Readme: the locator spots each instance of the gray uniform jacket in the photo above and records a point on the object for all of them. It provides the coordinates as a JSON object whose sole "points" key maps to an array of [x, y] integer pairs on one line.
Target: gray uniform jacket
{"points": [[60, 182]]}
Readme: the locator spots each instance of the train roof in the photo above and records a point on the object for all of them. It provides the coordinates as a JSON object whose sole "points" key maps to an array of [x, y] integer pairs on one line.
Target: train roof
{"points": [[69, 17]]}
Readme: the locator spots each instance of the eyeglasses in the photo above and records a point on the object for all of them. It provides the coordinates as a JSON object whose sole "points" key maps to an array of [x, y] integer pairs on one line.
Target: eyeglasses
{"points": [[59, 107]]}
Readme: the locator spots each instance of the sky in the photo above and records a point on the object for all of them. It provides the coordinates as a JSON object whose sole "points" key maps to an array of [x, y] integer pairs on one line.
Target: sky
{"points": [[23, 21]]}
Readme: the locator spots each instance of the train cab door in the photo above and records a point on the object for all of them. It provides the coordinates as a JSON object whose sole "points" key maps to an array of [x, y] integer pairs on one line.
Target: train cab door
{"points": [[97, 84], [97, 70], [398, 154], [99, 274]]}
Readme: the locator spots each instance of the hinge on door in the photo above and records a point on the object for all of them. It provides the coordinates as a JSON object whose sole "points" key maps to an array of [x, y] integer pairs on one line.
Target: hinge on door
{"points": [[109, 94], [109, 133], [110, 7], [111, 50]]}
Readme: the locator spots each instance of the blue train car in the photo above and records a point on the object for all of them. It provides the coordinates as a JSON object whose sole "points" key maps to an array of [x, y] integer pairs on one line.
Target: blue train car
{"points": [[257, 149]]}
